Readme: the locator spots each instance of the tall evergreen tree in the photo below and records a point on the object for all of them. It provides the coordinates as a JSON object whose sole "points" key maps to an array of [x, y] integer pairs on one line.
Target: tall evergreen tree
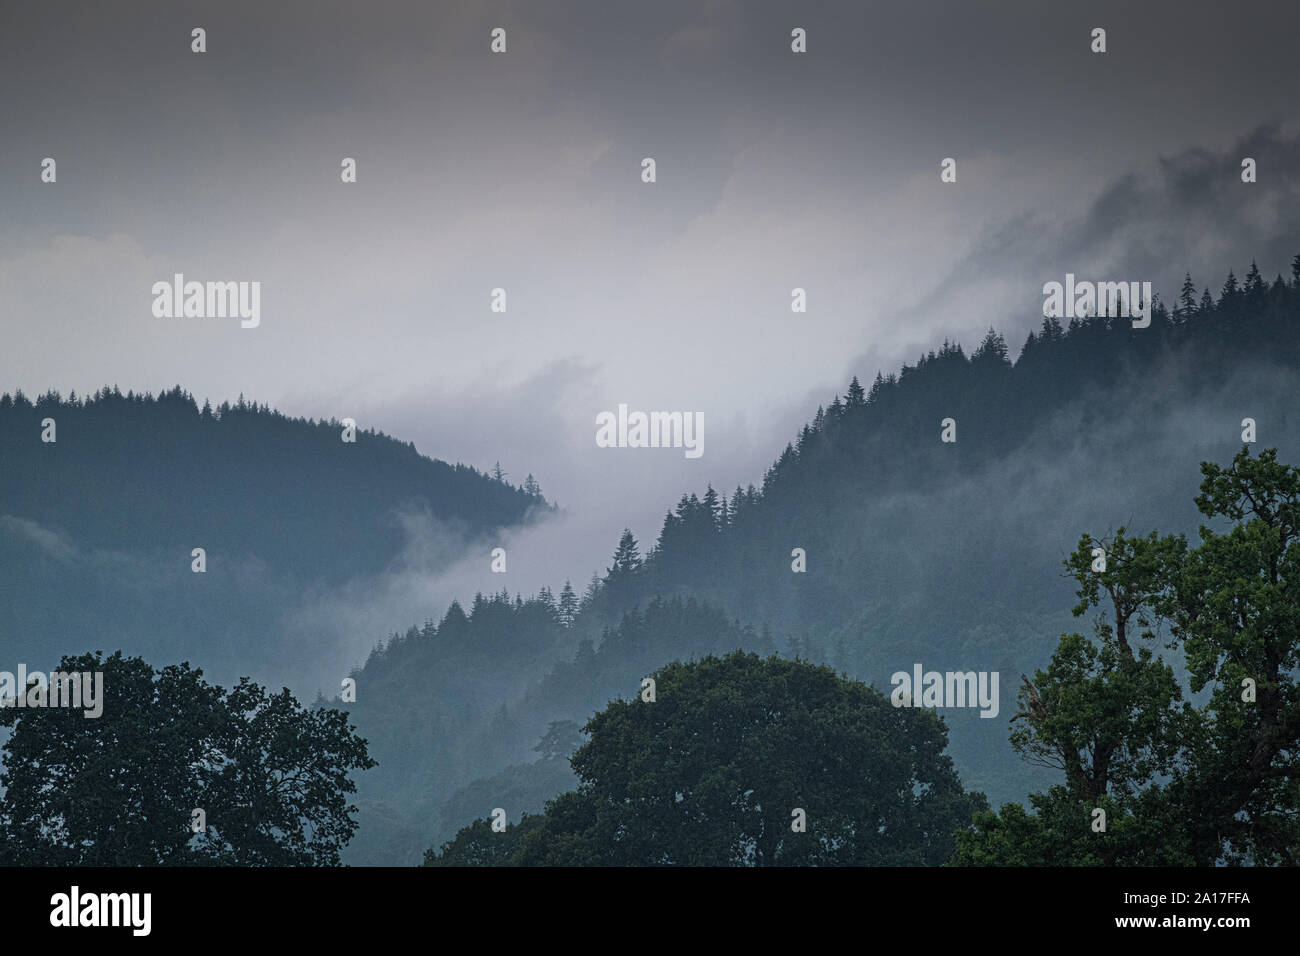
{"points": [[592, 592], [856, 397], [627, 558], [1187, 299], [737, 505], [1230, 289], [713, 508], [1050, 330], [992, 350], [568, 608], [1255, 287], [547, 597]]}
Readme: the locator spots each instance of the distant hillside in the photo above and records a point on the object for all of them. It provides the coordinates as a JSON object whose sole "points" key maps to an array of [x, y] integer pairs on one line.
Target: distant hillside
{"points": [[888, 513], [136, 472], [97, 527]]}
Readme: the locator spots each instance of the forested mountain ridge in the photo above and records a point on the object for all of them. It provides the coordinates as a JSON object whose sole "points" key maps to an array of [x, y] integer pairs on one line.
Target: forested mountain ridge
{"points": [[237, 477], [105, 499], [917, 550], [887, 439]]}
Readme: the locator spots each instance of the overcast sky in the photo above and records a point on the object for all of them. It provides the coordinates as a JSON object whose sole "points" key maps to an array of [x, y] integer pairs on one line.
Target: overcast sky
{"points": [[522, 171]]}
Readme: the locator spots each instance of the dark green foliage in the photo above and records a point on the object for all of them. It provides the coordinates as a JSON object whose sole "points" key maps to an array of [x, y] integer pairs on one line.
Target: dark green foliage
{"points": [[711, 772], [1181, 784], [119, 789], [478, 845]]}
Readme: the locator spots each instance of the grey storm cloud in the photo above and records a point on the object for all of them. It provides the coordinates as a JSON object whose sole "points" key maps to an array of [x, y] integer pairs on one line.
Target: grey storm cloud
{"points": [[1187, 212], [522, 171]]}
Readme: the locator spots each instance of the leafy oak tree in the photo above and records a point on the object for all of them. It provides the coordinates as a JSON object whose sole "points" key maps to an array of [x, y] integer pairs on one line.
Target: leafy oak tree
{"points": [[723, 766], [1178, 784], [1234, 608], [120, 789]]}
